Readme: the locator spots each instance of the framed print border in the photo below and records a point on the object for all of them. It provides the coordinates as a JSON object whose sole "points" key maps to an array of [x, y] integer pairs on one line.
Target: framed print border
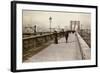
{"points": [[14, 34]]}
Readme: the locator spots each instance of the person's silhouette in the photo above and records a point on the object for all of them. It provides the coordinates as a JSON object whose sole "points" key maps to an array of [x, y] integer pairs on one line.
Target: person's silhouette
{"points": [[66, 36], [55, 37]]}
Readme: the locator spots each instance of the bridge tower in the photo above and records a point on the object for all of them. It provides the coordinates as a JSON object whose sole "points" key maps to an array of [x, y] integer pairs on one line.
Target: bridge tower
{"points": [[75, 25]]}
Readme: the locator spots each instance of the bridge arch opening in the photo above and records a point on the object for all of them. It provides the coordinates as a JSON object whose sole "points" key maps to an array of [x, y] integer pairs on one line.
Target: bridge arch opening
{"points": [[75, 25]]}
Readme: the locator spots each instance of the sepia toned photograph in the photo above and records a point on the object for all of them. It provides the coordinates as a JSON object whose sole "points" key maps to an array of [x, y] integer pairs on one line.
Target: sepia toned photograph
{"points": [[48, 36], [56, 36]]}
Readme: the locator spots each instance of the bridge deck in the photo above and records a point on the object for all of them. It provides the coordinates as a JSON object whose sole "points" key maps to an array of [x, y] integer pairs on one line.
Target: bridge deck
{"points": [[59, 52]]}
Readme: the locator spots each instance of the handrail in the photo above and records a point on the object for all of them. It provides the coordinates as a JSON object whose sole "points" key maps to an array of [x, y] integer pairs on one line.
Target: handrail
{"points": [[36, 36]]}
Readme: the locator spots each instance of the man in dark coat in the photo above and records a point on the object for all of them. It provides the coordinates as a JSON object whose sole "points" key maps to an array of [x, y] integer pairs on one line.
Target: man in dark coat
{"points": [[55, 37], [66, 36]]}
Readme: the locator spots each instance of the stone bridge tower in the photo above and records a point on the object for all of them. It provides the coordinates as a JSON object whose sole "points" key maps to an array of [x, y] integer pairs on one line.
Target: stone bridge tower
{"points": [[75, 25]]}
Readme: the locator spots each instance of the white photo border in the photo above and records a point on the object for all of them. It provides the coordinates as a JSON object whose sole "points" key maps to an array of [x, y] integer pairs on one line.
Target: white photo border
{"points": [[52, 7]]}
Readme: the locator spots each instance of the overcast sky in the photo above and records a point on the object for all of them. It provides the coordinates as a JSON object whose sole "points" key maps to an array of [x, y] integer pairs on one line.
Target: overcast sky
{"points": [[61, 19]]}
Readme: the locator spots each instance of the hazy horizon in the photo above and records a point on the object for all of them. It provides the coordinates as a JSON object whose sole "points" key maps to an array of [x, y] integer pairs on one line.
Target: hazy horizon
{"points": [[59, 19]]}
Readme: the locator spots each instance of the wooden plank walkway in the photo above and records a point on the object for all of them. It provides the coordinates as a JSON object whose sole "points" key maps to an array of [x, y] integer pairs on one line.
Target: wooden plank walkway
{"points": [[59, 52]]}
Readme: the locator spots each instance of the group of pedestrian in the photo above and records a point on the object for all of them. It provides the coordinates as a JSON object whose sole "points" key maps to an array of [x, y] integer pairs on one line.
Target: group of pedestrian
{"points": [[66, 34]]}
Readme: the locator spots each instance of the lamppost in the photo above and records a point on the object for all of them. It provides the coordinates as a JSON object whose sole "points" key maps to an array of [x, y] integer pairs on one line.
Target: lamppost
{"points": [[50, 19]]}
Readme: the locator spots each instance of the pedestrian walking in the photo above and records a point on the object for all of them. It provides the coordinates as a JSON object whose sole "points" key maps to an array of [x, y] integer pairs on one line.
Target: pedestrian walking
{"points": [[66, 36], [55, 37]]}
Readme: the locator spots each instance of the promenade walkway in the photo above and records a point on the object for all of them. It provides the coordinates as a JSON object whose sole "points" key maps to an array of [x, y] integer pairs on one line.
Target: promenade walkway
{"points": [[59, 52]]}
